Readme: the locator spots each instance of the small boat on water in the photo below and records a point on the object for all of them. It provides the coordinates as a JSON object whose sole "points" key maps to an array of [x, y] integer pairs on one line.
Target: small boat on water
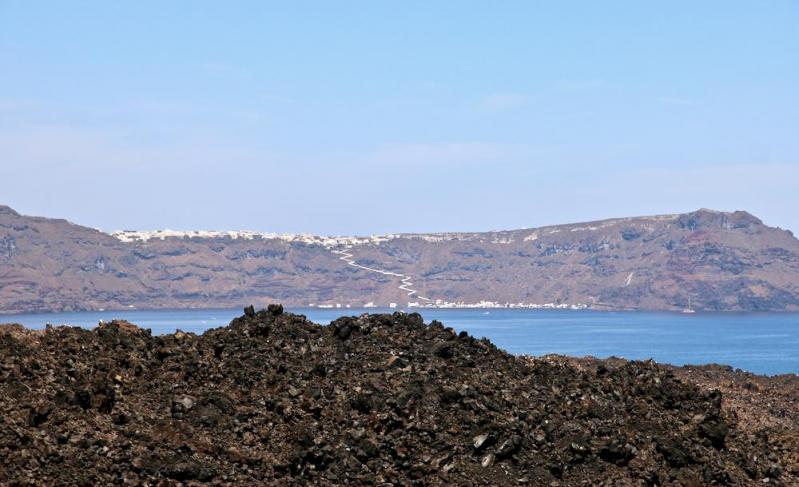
{"points": [[689, 309]]}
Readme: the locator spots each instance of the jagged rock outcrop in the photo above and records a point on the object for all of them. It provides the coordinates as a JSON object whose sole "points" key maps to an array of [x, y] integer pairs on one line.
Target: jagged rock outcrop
{"points": [[372, 400]]}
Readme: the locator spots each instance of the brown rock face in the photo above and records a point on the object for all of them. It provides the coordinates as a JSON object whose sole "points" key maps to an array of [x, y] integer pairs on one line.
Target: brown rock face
{"points": [[372, 400], [720, 261]]}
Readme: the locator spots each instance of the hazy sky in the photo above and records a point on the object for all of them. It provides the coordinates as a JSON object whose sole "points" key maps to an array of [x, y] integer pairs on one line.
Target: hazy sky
{"points": [[341, 117]]}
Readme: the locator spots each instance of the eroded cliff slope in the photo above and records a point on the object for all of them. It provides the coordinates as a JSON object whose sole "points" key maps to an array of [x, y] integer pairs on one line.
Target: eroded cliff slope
{"points": [[720, 261]]}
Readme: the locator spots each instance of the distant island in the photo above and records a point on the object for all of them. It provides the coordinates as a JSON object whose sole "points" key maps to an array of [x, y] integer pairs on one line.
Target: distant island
{"points": [[705, 260]]}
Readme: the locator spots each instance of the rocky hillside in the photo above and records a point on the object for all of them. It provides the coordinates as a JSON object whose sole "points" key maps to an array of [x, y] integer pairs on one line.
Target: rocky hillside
{"points": [[720, 261], [372, 400]]}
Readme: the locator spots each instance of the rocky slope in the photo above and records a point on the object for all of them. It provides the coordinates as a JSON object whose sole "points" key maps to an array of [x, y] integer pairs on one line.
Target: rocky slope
{"points": [[373, 400], [721, 261]]}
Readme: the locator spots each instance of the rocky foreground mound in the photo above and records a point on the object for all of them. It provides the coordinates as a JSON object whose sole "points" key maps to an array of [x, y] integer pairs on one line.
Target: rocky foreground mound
{"points": [[274, 399]]}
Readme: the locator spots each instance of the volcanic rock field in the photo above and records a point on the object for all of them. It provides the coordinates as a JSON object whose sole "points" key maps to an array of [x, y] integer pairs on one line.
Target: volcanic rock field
{"points": [[274, 399]]}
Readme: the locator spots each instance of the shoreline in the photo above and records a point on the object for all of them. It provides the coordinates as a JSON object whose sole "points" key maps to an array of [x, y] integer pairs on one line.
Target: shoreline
{"points": [[411, 309]]}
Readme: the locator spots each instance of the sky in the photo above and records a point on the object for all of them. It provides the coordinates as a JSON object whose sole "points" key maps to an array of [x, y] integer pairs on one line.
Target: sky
{"points": [[397, 116]]}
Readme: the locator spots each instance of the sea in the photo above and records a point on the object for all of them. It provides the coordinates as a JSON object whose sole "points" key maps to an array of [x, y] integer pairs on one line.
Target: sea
{"points": [[762, 343]]}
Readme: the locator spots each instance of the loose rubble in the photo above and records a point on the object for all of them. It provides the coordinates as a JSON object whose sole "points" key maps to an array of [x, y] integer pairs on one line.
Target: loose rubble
{"points": [[273, 399]]}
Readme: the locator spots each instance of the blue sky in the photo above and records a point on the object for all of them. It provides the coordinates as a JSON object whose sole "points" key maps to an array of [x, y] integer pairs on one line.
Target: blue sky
{"points": [[370, 117]]}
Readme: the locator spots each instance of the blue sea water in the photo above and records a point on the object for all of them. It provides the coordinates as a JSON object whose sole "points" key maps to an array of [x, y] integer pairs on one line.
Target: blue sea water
{"points": [[762, 343]]}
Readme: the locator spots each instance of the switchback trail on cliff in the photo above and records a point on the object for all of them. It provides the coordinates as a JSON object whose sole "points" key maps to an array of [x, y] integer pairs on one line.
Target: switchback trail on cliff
{"points": [[405, 280]]}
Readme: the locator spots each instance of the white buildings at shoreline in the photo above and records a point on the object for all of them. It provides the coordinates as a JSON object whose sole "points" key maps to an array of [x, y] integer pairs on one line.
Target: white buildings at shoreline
{"points": [[441, 304]]}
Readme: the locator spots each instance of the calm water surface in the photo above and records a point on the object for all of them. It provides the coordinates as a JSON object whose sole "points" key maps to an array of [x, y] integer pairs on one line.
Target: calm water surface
{"points": [[761, 343]]}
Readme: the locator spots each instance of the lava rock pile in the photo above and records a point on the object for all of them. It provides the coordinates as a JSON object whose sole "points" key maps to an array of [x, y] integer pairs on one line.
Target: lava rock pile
{"points": [[274, 399]]}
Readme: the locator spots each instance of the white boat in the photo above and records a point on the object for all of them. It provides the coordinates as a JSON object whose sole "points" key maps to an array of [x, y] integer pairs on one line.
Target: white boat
{"points": [[689, 309]]}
